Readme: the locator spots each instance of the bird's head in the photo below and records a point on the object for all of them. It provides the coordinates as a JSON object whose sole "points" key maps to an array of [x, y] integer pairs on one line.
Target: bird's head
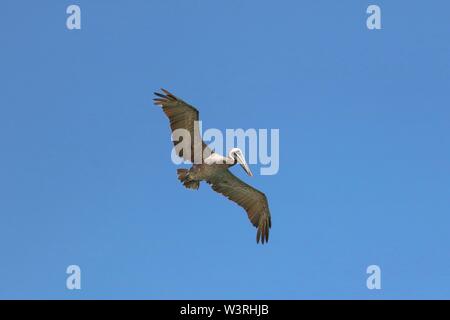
{"points": [[237, 156]]}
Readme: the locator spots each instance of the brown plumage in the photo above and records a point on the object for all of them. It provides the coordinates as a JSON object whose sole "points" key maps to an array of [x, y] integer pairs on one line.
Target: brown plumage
{"points": [[184, 116], [252, 200]]}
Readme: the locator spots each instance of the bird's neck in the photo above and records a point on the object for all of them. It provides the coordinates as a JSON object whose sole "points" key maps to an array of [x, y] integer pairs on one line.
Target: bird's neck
{"points": [[231, 161]]}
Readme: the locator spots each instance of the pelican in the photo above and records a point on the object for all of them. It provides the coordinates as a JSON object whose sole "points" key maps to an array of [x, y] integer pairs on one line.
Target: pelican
{"points": [[214, 168]]}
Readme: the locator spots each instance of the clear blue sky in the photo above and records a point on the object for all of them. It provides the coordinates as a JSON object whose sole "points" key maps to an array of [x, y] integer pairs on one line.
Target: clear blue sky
{"points": [[86, 176]]}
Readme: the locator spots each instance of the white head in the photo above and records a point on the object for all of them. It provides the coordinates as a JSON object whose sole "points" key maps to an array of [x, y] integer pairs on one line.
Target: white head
{"points": [[236, 155]]}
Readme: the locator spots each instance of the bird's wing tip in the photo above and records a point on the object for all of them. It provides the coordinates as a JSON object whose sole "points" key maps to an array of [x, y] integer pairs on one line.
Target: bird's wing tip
{"points": [[263, 231]]}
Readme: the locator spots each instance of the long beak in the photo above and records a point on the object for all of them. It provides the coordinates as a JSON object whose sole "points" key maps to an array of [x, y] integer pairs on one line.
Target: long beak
{"points": [[244, 165]]}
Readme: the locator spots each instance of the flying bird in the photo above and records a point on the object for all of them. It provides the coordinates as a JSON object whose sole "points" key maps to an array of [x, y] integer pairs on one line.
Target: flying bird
{"points": [[213, 167]]}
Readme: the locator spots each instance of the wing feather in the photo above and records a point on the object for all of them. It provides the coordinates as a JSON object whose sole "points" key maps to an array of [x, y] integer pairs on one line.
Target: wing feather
{"points": [[182, 116], [252, 200]]}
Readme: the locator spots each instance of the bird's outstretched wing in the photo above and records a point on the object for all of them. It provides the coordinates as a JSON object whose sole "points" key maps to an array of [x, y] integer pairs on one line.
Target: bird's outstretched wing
{"points": [[249, 198], [183, 116]]}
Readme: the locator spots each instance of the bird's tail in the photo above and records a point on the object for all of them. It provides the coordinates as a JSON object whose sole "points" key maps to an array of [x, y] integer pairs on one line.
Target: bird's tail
{"points": [[183, 176]]}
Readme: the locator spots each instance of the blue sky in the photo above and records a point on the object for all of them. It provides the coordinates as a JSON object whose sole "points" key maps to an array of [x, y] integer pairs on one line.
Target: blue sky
{"points": [[86, 174]]}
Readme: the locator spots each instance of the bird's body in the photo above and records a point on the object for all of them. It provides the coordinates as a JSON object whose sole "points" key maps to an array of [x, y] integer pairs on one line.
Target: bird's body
{"points": [[213, 167], [207, 172]]}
